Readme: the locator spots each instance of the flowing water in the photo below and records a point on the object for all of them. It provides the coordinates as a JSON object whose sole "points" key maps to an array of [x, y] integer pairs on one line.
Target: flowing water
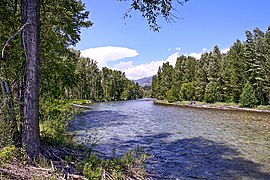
{"points": [[186, 143]]}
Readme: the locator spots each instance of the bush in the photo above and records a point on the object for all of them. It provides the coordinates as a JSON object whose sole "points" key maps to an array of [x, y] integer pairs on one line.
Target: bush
{"points": [[7, 153], [187, 91], [170, 96], [130, 165], [54, 116], [248, 98]]}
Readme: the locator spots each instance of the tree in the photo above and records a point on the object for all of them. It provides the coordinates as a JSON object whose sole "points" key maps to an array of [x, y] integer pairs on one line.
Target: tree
{"points": [[30, 11], [201, 77], [248, 98], [170, 96], [151, 10], [187, 91], [189, 67], [166, 79], [236, 70], [211, 94], [177, 79], [65, 27]]}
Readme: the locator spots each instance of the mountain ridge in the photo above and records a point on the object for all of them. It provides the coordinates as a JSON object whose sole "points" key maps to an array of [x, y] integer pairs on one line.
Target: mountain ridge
{"points": [[146, 81]]}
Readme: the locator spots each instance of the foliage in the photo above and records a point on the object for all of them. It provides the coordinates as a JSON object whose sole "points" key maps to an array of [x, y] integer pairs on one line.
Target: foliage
{"points": [[187, 91], [7, 153], [151, 10], [131, 165], [219, 76], [54, 120], [248, 98], [211, 93], [170, 96]]}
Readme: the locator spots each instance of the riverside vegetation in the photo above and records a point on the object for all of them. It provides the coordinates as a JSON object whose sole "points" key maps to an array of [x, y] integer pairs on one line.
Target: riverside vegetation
{"points": [[41, 75], [60, 76], [240, 75], [65, 76]]}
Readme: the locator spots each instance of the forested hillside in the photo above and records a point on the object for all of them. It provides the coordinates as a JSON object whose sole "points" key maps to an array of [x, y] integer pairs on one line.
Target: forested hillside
{"points": [[242, 75]]}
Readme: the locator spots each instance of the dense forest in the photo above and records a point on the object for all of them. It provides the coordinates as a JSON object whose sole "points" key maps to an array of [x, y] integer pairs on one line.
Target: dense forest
{"points": [[242, 75]]}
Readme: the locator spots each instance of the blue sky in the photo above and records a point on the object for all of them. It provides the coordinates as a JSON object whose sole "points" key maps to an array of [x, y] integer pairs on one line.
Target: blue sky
{"points": [[128, 44]]}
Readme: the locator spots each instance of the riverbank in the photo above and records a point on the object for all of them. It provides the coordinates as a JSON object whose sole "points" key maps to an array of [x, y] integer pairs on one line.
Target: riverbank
{"points": [[218, 105], [62, 158]]}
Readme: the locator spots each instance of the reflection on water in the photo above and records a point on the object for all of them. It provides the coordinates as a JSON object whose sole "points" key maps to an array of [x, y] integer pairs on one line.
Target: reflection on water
{"points": [[186, 143]]}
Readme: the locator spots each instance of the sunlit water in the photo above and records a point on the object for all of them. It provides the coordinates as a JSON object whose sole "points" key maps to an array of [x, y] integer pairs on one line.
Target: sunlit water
{"points": [[186, 143]]}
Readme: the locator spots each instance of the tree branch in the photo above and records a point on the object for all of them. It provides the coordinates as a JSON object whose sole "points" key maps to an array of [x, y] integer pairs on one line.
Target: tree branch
{"points": [[12, 37]]}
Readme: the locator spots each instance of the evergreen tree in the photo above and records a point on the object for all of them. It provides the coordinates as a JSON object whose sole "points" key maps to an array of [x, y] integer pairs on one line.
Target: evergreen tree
{"points": [[201, 77], [166, 79], [188, 69], [236, 71], [211, 93], [248, 98], [177, 79], [187, 91]]}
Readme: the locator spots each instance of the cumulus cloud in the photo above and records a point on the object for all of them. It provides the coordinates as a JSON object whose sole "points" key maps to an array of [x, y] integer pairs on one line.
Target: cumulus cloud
{"points": [[193, 54], [144, 70], [124, 65], [224, 50], [204, 49], [103, 55]]}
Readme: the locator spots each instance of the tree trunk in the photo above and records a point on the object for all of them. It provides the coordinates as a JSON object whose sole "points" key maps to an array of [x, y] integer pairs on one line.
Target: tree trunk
{"points": [[30, 10]]}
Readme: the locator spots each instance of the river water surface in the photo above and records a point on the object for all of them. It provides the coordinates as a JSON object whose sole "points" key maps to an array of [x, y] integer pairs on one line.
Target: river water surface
{"points": [[186, 143]]}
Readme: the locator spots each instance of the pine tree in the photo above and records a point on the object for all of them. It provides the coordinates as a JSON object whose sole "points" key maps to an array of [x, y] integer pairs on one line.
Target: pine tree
{"points": [[187, 91], [236, 70], [177, 79], [211, 93], [248, 98], [201, 77]]}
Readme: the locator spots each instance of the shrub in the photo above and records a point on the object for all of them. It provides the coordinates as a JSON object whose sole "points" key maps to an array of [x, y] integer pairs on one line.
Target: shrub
{"points": [[170, 96], [187, 91], [7, 153], [130, 165]]}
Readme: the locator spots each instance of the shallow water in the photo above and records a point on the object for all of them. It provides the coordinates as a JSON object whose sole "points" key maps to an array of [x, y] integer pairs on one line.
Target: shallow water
{"points": [[186, 143]]}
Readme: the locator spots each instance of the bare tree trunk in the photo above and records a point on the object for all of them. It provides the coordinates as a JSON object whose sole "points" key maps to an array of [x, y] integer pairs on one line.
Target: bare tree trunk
{"points": [[31, 40]]}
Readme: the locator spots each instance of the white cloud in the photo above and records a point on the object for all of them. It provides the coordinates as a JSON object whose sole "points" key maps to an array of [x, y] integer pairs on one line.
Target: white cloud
{"points": [[144, 70], [204, 49], [198, 55], [103, 55], [124, 65], [193, 54], [224, 50]]}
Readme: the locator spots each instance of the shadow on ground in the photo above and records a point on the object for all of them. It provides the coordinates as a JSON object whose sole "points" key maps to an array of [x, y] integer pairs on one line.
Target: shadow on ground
{"points": [[192, 158]]}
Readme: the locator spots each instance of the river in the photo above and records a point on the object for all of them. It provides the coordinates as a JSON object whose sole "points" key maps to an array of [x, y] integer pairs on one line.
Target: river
{"points": [[186, 143]]}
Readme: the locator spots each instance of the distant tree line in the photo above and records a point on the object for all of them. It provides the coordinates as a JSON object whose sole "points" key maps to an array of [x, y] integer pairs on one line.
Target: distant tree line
{"points": [[76, 77], [242, 75]]}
